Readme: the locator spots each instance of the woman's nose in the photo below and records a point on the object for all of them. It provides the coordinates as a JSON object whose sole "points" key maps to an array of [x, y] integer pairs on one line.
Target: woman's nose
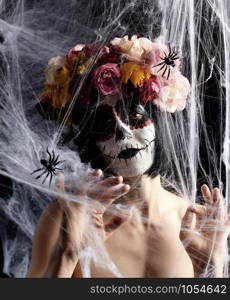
{"points": [[122, 130]]}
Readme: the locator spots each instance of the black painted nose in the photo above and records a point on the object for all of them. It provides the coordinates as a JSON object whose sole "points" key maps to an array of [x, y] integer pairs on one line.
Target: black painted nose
{"points": [[121, 134]]}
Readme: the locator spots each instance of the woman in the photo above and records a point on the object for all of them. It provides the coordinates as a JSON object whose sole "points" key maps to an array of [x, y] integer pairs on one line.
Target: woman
{"points": [[118, 95]]}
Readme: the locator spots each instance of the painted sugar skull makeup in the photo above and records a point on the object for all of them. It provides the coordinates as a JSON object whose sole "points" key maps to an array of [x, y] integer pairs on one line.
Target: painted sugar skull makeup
{"points": [[125, 135]]}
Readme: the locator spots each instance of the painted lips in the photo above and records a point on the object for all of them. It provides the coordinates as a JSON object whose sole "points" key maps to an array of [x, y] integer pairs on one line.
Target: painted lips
{"points": [[128, 153]]}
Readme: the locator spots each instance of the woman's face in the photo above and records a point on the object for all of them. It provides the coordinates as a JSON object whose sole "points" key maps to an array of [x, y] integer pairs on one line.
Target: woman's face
{"points": [[125, 135]]}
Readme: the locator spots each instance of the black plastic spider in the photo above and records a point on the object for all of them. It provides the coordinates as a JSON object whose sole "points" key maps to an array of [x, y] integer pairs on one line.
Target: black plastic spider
{"points": [[49, 166], [168, 61]]}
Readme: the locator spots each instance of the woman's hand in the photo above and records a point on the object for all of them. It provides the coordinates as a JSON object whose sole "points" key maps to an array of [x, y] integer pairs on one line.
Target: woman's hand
{"points": [[103, 193], [204, 232], [64, 239]]}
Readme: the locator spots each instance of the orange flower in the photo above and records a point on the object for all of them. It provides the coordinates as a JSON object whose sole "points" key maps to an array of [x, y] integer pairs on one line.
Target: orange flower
{"points": [[78, 62], [58, 76], [62, 76], [135, 72], [57, 95]]}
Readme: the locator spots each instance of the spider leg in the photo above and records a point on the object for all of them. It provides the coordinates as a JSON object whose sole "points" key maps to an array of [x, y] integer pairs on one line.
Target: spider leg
{"points": [[170, 50], [53, 157], [58, 169], [36, 171], [159, 64], [166, 67], [56, 159], [175, 51], [59, 162], [162, 68], [41, 174], [51, 177], [46, 177], [47, 150], [175, 57], [168, 73]]}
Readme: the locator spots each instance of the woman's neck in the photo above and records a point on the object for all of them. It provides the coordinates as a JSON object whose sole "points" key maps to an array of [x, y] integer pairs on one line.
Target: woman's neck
{"points": [[144, 191]]}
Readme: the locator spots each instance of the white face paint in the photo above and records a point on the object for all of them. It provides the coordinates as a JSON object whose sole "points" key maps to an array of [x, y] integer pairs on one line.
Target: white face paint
{"points": [[130, 152]]}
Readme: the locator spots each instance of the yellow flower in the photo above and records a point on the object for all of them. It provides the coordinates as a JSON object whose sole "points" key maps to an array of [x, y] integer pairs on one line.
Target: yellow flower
{"points": [[62, 76], [57, 94], [58, 75], [135, 72], [79, 63], [82, 68], [60, 96], [57, 71]]}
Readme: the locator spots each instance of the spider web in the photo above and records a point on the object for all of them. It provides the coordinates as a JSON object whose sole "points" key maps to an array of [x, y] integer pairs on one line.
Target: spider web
{"points": [[196, 141]]}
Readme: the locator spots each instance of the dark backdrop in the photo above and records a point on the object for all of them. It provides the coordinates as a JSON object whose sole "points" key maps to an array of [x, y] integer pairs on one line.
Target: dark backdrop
{"points": [[213, 110]]}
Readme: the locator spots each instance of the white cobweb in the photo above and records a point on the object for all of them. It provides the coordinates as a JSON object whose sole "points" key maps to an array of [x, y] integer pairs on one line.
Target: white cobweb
{"points": [[31, 32]]}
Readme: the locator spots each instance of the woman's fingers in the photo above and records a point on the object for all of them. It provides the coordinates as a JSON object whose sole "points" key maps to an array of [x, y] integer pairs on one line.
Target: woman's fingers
{"points": [[200, 212], [113, 193], [187, 221], [218, 205], [206, 193], [95, 174], [110, 187], [107, 196], [213, 202], [110, 181], [87, 181], [215, 208]]}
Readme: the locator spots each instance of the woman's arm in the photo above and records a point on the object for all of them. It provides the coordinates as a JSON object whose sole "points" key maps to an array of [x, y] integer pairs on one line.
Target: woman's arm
{"points": [[54, 252], [61, 229]]}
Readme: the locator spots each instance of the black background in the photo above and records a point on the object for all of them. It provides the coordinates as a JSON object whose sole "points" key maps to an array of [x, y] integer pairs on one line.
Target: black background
{"points": [[213, 112]]}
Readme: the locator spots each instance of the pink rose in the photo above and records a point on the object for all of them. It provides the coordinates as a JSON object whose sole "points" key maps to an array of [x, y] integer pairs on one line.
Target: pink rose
{"points": [[107, 79], [172, 97], [150, 89]]}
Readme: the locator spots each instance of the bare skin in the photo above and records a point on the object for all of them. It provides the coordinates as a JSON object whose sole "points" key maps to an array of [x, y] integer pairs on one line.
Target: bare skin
{"points": [[149, 242]]}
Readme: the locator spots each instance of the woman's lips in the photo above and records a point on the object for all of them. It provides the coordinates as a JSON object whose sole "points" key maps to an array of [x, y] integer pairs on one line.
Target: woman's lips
{"points": [[128, 153]]}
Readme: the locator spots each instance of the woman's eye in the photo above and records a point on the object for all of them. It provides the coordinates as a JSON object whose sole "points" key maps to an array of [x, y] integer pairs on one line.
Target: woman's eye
{"points": [[136, 116]]}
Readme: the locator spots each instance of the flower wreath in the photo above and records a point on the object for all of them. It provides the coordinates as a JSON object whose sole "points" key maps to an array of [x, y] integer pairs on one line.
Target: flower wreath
{"points": [[152, 67]]}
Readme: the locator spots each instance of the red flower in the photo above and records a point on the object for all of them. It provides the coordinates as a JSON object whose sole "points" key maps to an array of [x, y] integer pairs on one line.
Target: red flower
{"points": [[111, 56], [150, 89], [107, 79]]}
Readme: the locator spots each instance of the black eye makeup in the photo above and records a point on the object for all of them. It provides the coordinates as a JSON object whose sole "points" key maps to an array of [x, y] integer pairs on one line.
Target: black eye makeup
{"points": [[134, 115], [104, 123]]}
